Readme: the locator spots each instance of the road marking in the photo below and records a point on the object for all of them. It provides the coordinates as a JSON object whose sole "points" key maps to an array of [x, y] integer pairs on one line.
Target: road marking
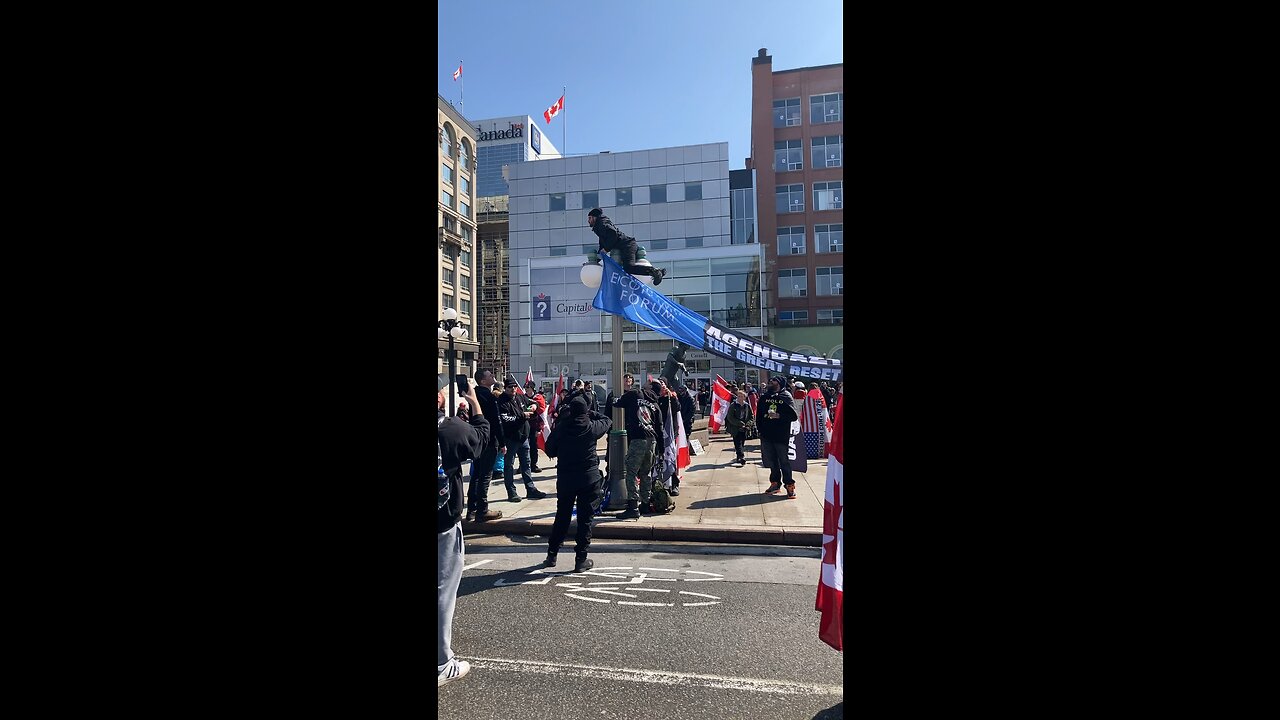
{"points": [[662, 569], [474, 565], [628, 602], [664, 677], [584, 597], [686, 592], [699, 572], [702, 579], [604, 592], [717, 602]]}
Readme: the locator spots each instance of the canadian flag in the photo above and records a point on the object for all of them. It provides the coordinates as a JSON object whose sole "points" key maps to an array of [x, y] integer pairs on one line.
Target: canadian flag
{"points": [[554, 110], [545, 432], [528, 377], [682, 444], [831, 585], [719, 404], [457, 73]]}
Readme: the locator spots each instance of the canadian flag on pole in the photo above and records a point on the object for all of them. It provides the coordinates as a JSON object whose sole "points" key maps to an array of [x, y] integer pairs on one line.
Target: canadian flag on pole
{"points": [[831, 586], [545, 432], [528, 377], [682, 444], [554, 110], [719, 404], [457, 73]]}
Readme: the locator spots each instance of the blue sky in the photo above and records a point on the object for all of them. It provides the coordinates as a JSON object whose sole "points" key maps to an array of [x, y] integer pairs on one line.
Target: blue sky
{"points": [[646, 74]]}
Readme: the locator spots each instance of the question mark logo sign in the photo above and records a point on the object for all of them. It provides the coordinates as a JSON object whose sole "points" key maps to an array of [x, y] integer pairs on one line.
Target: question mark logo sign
{"points": [[542, 307]]}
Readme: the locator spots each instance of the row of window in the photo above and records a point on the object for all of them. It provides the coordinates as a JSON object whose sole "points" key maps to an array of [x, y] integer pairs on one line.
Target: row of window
{"points": [[464, 184], [798, 317], [826, 196], [452, 226], [828, 239], [624, 196], [466, 305], [827, 108], [446, 198], [447, 276], [824, 152], [794, 283], [447, 146]]}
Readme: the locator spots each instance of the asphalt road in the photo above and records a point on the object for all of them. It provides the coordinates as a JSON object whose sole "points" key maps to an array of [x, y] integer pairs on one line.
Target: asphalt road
{"points": [[665, 631]]}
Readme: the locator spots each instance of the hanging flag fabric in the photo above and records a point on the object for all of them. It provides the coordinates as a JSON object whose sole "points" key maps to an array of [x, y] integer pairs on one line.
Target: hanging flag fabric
{"points": [[813, 421], [457, 73], [528, 377], [719, 404], [623, 295], [546, 425], [668, 457], [554, 110], [682, 443], [831, 583]]}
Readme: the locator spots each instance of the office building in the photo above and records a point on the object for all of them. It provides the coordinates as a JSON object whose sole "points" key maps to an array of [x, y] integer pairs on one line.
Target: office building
{"points": [[457, 225], [503, 142], [676, 202], [797, 153]]}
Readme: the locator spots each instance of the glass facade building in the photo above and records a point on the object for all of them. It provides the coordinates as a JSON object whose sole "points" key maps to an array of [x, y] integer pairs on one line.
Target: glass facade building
{"points": [[507, 141], [676, 203]]}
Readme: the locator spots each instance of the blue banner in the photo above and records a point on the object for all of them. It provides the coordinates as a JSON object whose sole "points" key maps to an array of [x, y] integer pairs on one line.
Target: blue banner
{"points": [[622, 294]]}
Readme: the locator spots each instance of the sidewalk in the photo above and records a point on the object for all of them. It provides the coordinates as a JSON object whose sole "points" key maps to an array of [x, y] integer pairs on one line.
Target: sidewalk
{"points": [[718, 502]]}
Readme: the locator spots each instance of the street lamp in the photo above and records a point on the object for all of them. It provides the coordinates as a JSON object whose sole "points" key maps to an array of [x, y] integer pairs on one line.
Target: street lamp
{"points": [[592, 274], [450, 327]]}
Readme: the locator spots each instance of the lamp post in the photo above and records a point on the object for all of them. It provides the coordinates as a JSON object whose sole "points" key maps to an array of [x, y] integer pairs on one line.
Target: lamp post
{"points": [[451, 328], [592, 274]]}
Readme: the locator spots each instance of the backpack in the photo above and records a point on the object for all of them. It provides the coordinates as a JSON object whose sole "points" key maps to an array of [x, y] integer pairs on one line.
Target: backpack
{"points": [[662, 502]]}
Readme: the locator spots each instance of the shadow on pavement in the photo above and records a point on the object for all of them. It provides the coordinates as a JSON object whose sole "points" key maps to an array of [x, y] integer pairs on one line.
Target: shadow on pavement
{"points": [[832, 713], [472, 584], [735, 501]]}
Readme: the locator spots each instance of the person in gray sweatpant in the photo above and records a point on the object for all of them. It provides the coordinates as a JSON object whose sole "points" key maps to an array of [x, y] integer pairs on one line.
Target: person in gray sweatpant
{"points": [[461, 438]]}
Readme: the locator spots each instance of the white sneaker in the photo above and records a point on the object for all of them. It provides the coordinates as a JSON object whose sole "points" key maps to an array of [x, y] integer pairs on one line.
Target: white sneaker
{"points": [[457, 668]]}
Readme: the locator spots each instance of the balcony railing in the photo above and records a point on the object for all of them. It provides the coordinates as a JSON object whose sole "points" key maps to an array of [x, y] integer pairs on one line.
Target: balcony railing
{"points": [[451, 237]]}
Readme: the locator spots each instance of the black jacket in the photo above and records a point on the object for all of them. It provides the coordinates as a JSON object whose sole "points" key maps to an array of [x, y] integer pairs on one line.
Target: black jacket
{"points": [[778, 430], [459, 441], [611, 238], [735, 419], [640, 412], [489, 404], [573, 443], [515, 426], [686, 412]]}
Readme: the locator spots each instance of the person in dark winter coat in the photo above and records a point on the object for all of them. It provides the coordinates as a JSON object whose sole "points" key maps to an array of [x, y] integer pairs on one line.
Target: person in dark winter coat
{"points": [[516, 412], [735, 421], [482, 468], [578, 479], [687, 409], [640, 410], [777, 411], [611, 238], [462, 438], [535, 423]]}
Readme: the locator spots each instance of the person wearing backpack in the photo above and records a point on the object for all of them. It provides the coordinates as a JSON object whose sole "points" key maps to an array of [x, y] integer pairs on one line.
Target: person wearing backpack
{"points": [[737, 421], [578, 480], [459, 438]]}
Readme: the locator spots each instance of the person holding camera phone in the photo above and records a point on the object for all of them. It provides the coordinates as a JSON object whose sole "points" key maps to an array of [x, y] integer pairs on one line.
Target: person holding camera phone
{"points": [[482, 469], [462, 437], [516, 413]]}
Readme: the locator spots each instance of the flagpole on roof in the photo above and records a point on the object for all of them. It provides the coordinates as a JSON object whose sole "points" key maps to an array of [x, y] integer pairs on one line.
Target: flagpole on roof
{"points": [[564, 127], [462, 95]]}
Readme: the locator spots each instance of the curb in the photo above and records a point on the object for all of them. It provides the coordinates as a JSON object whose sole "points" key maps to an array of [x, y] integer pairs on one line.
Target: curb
{"points": [[639, 530]]}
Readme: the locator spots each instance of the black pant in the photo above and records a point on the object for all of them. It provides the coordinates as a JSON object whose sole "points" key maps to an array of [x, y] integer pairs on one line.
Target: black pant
{"points": [[481, 474], [739, 438], [628, 251], [774, 454], [533, 449], [586, 492]]}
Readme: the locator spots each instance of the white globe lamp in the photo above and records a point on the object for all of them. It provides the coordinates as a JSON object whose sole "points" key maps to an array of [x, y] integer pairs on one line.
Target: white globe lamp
{"points": [[591, 274], [450, 314]]}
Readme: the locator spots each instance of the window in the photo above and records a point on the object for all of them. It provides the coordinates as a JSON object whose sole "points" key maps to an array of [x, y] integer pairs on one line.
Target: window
{"points": [[788, 155], [591, 249], [465, 209], [830, 280], [466, 307], [792, 317], [657, 245], [790, 198], [464, 258], [466, 235], [446, 198], [791, 241], [831, 317], [693, 242], [828, 151], [591, 199], [448, 277], [828, 196], [557, 201], [830, 238], [450, 224], [466, 283], [693, 191], [559, 251], [446, 141], [465, 185], [623, 196], [448, 300], [446, 172], [464, 159], [786, 113], [826, 108], [793, 283]]}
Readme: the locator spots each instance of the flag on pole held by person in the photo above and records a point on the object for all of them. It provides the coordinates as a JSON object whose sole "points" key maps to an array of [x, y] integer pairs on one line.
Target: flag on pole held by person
{"points": [[719, 404], [813, 425], [831, 583], [545, 432], [554, 110], [682, 443], [510, 378], [528, 377]]}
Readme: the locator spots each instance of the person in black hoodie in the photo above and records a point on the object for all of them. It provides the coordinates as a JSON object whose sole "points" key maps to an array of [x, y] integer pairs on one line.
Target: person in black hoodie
{"points": [[686, 416], [516, 412], [640, 408], [578, 479], [482, 468], [611, 238], [461, 439], [776, 411]]}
